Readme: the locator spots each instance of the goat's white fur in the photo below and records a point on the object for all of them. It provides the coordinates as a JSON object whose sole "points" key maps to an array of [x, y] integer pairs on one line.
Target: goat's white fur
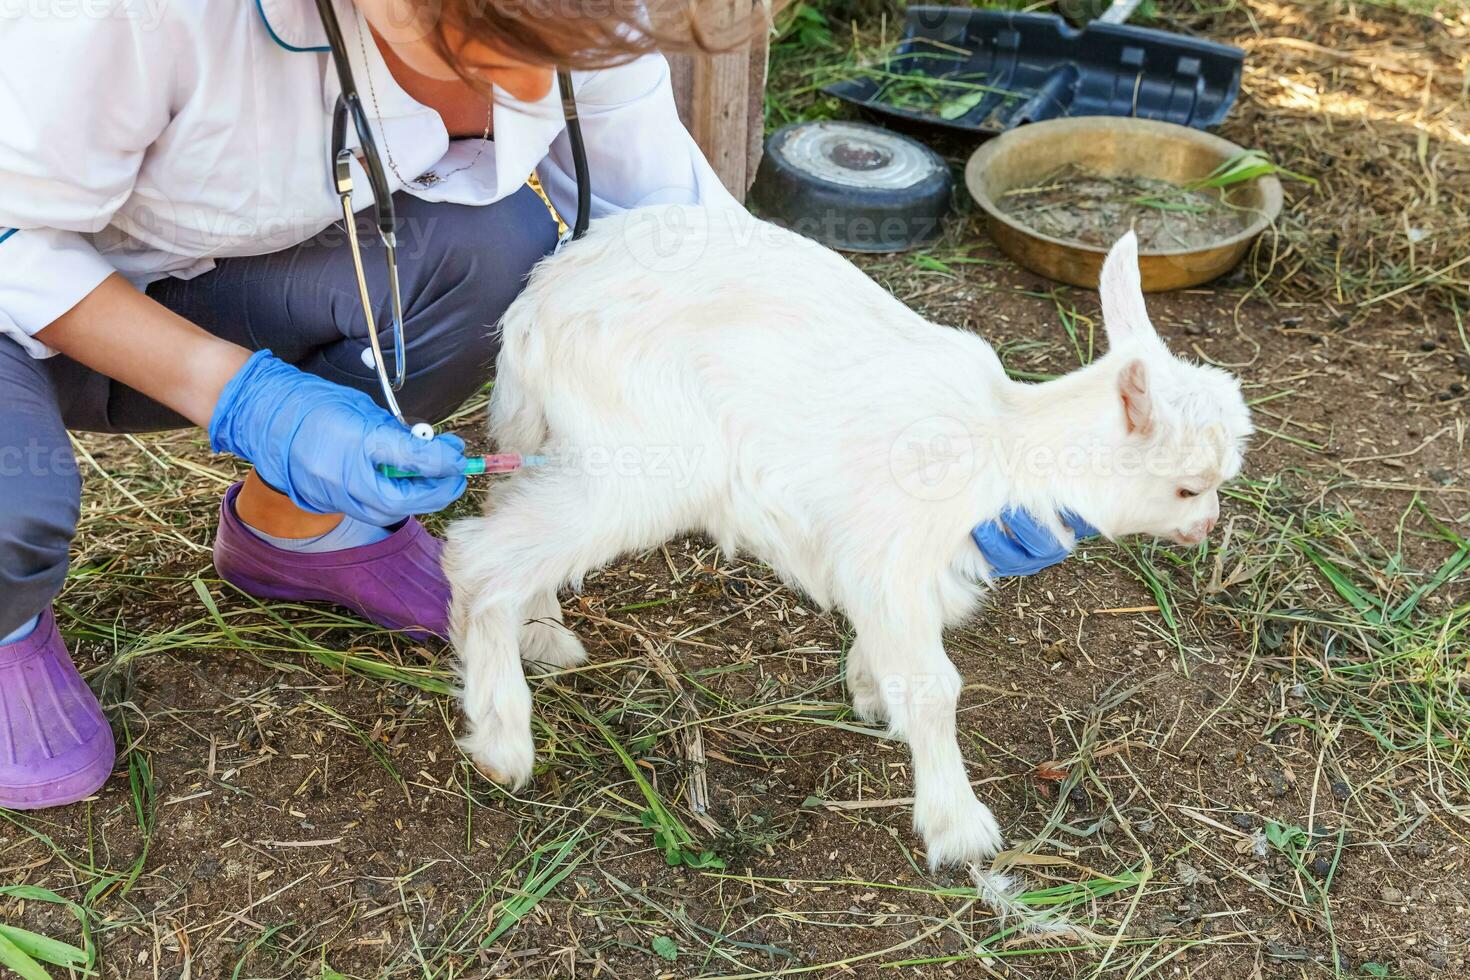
{"points": [[692, 370]]}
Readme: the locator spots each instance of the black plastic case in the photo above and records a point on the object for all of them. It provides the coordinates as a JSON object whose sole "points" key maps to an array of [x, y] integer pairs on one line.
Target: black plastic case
{"points": [[1048, 69]]}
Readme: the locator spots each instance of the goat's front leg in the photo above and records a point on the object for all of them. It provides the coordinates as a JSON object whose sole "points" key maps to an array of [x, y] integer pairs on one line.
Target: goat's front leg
{"points": [[920, 689]]}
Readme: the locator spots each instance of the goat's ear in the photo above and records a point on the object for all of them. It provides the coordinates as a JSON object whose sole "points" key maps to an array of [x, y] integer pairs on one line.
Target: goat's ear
{"points": [[1138, 406], [1124, 316]]}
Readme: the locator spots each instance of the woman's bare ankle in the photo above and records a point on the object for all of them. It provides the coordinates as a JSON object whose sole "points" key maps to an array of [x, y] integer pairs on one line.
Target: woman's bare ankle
{"points": [[273, 513]]}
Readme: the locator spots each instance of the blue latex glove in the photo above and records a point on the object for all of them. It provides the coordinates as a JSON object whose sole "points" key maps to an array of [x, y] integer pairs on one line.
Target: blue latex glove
{"points": [[320, 444], [1028, 547]]}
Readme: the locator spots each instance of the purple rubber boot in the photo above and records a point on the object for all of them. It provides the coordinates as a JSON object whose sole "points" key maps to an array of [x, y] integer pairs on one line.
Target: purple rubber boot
{"points": [[55, 745], [396, 582]]}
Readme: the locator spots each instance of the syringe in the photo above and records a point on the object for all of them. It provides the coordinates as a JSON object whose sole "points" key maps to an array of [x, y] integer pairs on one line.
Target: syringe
{"points": [[477, 465]]}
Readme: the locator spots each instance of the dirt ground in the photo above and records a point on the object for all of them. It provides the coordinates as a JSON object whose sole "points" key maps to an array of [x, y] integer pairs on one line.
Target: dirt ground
{"points": [[1212, 763]]}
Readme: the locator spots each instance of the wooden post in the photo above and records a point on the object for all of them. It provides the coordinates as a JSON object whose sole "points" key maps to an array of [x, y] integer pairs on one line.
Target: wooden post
{"points": [[721, 97]]}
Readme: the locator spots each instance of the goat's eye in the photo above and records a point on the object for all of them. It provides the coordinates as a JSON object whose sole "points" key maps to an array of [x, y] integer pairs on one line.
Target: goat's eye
{"points": [[1185, 493]]}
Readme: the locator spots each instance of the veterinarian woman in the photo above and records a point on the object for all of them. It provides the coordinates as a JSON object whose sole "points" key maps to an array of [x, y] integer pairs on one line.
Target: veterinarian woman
{"points": [[170, 256]]}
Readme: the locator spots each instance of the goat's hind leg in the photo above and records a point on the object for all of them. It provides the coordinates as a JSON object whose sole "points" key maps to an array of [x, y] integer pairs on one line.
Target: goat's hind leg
{"points": [[546, 643], [504, 569], [489, 597], [862, 684]]}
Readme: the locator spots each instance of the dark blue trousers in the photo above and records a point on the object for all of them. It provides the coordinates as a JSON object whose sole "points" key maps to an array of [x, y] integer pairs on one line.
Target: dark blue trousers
{"points": [[459, 267]]}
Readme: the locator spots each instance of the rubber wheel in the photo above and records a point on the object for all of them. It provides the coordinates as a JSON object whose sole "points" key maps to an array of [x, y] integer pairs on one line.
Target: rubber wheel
{"points": [[853, 186]]}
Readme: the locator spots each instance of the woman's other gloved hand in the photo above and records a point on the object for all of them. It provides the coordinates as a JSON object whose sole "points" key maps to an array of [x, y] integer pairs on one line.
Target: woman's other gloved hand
{"points": [[1015, 544], [321, 444]]}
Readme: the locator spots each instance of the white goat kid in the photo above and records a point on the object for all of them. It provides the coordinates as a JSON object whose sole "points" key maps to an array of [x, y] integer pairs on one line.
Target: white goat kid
{"points": [[823, 427]]}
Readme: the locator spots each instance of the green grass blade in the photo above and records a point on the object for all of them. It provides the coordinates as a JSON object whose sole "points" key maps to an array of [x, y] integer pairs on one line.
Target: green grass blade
{"points": [[1370, 607], [539, 884], [83, 960], [44, 948], [14, 958], [1453, 566]]}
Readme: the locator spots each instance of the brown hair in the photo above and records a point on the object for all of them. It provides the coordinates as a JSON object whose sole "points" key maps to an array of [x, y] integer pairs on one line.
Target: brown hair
{"points": [[583, 34]]}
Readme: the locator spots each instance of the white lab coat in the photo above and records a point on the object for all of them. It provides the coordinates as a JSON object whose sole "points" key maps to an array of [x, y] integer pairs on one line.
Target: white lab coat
{"points": [[152, 137]]}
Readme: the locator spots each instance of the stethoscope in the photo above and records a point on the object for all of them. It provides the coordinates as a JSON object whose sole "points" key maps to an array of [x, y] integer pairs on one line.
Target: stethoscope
{"points": [[349, 104]]}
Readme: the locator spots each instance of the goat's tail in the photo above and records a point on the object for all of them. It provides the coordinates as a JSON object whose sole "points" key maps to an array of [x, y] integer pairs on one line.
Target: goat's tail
{"points": [[517, 416]]}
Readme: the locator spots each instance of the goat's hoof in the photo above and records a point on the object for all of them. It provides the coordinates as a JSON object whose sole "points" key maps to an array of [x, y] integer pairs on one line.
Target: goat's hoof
{"points": [[960, 834], [551, 646], [502, 758]]}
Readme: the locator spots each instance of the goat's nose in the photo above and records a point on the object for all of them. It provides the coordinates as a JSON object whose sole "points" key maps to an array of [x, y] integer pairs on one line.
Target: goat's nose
{"points": [[1209, 523]]}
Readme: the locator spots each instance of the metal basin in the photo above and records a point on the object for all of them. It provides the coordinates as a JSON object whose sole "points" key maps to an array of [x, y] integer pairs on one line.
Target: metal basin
{"points": [[1115, 147]]}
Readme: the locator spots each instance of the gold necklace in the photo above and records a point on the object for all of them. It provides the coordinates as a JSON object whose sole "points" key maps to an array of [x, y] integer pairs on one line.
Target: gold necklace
{"points": [[428, 178]]}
